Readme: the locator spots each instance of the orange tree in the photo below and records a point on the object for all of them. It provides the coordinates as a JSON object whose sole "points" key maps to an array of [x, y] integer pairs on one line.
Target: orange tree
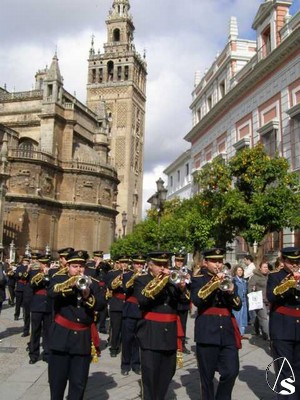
{"points": [[250, 196]]}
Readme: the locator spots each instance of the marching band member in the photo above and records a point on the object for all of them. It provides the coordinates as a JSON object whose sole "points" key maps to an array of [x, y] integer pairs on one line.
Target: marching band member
{"points": [[283, 292], [73, 334], [159, 332], [216, 332]]}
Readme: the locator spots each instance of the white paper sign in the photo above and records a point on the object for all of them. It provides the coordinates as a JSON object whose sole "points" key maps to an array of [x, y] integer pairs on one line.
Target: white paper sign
{"points": [[255, 300]]}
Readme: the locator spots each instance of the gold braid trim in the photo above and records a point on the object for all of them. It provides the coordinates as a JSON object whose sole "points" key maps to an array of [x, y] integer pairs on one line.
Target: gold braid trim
{"points": [[61, 271], [155, 286], [38, 278], [108, 294], [210, 287], [91, 301], [286, 284], [188, 294], [65, 286]]}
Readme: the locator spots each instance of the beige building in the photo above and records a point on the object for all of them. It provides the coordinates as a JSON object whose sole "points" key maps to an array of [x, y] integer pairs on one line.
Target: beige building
{"points": [[61, 189], [72, 174], [118, 76]]}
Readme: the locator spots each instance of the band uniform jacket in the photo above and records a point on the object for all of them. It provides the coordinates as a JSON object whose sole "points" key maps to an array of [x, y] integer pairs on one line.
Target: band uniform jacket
{"points": [[40, 301], [214, 329], [22, 277], [283, 327], [154, 335], [71, 306], [115, 303], [130, 309]]}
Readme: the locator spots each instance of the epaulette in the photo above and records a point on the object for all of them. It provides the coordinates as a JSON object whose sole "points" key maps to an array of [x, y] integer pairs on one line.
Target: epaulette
{"points": [[273, 271], [91, 267], [35, 268], [62, 271], [197, 276], [94, 279]]}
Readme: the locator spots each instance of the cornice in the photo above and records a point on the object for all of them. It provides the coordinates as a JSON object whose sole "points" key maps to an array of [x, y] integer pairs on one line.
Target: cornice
{"points": [[290, 46]]}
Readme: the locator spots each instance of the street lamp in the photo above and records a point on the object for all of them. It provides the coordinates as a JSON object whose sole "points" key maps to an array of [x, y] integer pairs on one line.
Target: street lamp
{"points": [[124, 221], [47, 250], [12, 251]]}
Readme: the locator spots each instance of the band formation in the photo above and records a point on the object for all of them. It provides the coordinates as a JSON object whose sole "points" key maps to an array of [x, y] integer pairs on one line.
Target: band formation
{"points": [[146, 299]]}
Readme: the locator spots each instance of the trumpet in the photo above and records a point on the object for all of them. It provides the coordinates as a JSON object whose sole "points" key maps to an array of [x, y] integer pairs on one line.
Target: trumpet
{"points": [[226, 283], [181, 275], [83, 282]]}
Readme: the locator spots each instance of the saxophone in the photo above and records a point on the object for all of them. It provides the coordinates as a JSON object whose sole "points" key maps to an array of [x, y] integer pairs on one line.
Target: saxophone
{"points": [[155, 286], [207, 289], [287, 283]]}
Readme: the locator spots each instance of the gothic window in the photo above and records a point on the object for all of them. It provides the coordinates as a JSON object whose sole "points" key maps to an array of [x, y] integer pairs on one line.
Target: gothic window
{"points": [[110, 71], [116, 35], [26, 147], [100, 75], [93, 75]]}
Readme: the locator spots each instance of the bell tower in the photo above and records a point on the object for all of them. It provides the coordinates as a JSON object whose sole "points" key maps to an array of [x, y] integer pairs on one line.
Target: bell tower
{"points": [[118, 77]]}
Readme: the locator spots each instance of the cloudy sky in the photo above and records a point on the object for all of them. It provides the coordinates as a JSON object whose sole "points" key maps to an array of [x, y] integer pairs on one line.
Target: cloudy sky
{"points": [[180, 38]]}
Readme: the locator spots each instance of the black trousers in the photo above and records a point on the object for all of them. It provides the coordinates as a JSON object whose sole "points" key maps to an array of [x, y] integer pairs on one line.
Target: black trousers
{"points": [[158, 369], [40, 325], [102, 319], [226, 360], [115, 329], [11, 294], [19, 303], [183, 315], [291, 351], [130, 347], [64, 367]]}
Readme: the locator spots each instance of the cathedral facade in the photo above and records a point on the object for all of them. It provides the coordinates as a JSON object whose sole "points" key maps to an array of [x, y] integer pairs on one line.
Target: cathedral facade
{"points": [[69, 170]]}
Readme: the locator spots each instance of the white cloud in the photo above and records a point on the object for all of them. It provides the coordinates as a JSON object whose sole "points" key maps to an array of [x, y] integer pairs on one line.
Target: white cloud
{"points": [[179, 38]]}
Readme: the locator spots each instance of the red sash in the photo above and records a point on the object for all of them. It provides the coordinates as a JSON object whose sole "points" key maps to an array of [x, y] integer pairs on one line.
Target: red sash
{"points": [[159, 317], [22, 281], [41, 292], [77, 326], [224, 312], [120, 296], [101, 283], [132, 299], [291, 312]]}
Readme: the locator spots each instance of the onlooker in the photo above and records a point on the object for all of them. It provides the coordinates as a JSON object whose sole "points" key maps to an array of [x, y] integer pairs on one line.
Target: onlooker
{"points": [[259, 282], [242, 287], [250, 266], [248, 272]]}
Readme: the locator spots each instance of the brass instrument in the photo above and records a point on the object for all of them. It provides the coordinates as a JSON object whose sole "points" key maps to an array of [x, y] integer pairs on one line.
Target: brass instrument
{"points": [[66, 286], [155, 286], [38, 278], [287, 283], [117, 282], [181, 275], [83, 282], [226, 283], [130, 282], [211, 286]]}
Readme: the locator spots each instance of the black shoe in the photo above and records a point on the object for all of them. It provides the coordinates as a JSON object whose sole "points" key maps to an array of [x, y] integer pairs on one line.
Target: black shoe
{"points": [[124, 372], [33, 360], [137, 370], [113, 353], [104, 331], [16, 318], [265, 336], [45, 358], [186, 351], [25, 334]]}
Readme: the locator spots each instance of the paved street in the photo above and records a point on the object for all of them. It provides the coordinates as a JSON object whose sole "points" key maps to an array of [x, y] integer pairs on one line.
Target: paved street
{"points": [[19, 380]]}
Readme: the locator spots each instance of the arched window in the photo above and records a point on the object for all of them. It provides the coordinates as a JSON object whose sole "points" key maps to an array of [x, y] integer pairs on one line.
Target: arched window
{"points": [[116, 35], [110, 71], [26, 147]]}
